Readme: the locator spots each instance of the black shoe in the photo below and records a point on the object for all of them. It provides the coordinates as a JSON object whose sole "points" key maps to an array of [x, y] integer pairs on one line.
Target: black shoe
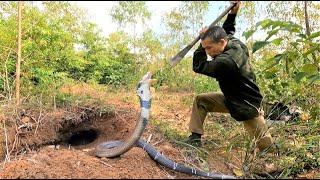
{"points": [[194, 139]]}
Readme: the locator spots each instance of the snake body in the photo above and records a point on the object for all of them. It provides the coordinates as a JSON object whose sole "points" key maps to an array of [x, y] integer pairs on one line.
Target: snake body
{"points": [[116, 148]]}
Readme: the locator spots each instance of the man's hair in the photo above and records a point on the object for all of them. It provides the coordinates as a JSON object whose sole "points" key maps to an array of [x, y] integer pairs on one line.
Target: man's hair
{"points": [[216, 33]]}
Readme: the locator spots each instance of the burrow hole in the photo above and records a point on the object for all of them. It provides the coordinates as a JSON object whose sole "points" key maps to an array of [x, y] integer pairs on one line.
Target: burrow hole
{"points": [[82, 137]]}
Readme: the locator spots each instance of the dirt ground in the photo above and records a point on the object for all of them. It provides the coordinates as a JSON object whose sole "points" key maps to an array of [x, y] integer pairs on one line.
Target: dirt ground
{"points": [[39, 143], [61, 161], [43, 148]]}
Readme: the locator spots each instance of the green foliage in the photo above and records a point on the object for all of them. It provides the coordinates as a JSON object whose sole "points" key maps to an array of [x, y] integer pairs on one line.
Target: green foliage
{"points": [[43, 81], [182, 25], [299, 147], [248, 34], [289, 73], [130, 12], [119, 65], [150, 47], [60, 45], [169, 132], [293, 64], [182, 78], [204, 84], [259, 44], [60, 40]]}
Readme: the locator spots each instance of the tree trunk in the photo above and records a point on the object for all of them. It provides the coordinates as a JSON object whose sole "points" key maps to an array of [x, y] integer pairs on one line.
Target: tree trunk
{"points": [[306, 18], [7, 84], [308, 32], [19, 55]]}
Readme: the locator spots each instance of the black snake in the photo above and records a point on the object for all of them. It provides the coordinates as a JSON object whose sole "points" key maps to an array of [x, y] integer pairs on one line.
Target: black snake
{"points": [[116, 148]]}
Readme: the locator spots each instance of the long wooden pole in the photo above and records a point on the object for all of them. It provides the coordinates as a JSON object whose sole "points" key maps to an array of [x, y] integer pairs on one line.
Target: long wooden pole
{"points": [[177, 58]]}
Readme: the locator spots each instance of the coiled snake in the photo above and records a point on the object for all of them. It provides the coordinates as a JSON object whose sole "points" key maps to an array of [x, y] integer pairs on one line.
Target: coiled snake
{"points": [[116, 148]]}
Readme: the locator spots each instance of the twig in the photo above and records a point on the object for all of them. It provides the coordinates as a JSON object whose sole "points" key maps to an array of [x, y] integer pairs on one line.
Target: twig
{"points": [[39, 122], [156, 143], [231, 165], [32, 160], [102, 162], [6, 137], [16, 137], [148, 141], [236, 158], [2, 96], [39, 117], [9, 48], [7, 79], [184, 157]]}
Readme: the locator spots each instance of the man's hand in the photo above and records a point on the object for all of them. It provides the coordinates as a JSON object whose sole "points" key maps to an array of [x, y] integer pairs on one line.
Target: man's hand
{"points": [[236, 8], [202, 31]]}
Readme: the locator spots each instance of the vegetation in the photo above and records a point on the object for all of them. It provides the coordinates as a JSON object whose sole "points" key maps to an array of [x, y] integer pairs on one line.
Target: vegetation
{"points": [[61, 46]]}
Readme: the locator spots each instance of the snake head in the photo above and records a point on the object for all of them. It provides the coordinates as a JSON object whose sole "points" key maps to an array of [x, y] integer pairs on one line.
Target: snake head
{"points": [[143, 88]]}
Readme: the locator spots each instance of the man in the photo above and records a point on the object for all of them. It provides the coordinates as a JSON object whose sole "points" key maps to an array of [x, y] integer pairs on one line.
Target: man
{"points": [[240, 95]]}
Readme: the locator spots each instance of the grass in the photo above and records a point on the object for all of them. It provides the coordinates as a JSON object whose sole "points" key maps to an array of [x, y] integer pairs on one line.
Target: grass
{"points": [[299, 146]]}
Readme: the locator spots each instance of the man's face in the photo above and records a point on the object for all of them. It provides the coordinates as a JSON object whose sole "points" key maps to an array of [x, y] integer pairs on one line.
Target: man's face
{"points": [[213, 49]]}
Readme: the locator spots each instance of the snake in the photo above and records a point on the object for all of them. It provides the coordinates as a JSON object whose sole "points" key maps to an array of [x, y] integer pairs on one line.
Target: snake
{"points": [[111, 149]]}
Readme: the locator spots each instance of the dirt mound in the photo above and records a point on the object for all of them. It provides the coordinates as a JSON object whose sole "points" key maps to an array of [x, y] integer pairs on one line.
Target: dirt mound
{"points": [[59, 159], [65, 163], [60, 144]]}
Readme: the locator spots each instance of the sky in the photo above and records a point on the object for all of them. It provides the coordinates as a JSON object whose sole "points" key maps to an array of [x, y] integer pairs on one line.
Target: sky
{"points": [[99, 13]]}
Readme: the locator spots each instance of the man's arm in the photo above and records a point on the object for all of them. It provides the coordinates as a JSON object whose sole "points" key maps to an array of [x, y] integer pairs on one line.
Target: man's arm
{"points": [[199, 57], [222, 65], [229, 24]]}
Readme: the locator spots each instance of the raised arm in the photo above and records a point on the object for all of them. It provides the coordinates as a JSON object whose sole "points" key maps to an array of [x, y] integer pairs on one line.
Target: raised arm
{"points": [[229, 24]]}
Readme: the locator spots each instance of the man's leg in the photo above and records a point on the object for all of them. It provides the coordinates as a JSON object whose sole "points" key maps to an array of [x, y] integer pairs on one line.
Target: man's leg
{"points": [[204, 103], [258, 130]]}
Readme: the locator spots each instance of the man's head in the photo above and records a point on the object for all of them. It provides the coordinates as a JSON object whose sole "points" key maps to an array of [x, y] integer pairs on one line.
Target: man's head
{"points": [[214, 41]]}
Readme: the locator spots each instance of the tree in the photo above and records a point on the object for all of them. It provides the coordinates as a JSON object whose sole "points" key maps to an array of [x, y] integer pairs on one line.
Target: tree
{"points": [[308, 32], [294, 11], [150, 46], [195, 11], [8, 47], [19, 54], [182, 25], [130, 13]]}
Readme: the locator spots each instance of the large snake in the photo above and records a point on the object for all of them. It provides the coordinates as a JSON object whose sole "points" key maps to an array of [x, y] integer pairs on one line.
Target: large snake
{"points": [[116, 148]]}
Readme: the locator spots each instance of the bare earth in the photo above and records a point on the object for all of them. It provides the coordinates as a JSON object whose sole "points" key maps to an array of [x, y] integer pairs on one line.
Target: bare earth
{"points": [[42, 151]]}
